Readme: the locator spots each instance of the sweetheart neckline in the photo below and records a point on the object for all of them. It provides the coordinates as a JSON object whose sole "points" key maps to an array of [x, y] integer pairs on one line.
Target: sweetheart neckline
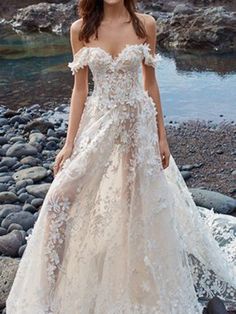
{"points": [[114, 59]]}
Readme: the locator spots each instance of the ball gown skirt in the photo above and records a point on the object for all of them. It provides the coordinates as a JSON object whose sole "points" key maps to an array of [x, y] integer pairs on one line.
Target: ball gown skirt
{"points": [[117, 233]]}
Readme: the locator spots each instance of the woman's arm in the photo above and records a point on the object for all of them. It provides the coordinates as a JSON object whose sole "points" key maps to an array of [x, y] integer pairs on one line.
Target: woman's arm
{"points": [[151, 86], [80, 88], [78, 97]]}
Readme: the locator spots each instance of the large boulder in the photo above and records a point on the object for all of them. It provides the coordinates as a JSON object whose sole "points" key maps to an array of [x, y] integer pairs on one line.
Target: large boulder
{"points": [[191, 28], [220, 203], [45, 17]]}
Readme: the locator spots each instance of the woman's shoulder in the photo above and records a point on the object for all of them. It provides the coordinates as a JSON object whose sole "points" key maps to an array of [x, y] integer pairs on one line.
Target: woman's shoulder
{"points": [[146, 18], [76, 25]]}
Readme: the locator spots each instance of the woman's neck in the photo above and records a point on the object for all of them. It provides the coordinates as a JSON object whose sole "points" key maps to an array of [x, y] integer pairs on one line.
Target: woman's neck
{"points": [[115, 12]]}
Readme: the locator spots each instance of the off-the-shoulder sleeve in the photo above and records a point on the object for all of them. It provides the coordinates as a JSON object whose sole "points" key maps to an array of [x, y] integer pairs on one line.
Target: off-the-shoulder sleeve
{"points": [[80, 60], [149, 59]]}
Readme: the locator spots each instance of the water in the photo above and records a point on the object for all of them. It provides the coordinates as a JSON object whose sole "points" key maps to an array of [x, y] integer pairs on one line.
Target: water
{"points": [[33, 69]]}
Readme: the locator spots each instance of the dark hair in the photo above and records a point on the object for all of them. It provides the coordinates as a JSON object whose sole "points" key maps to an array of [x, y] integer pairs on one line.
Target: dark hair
{"points": [[91, 12]]}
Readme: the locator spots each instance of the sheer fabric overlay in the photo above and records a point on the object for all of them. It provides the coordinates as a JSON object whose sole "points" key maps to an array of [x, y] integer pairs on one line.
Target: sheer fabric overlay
{"points": [[117, 233]]}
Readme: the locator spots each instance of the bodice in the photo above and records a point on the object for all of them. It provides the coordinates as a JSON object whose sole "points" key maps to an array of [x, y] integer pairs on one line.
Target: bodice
{"points": [[115, 78]]}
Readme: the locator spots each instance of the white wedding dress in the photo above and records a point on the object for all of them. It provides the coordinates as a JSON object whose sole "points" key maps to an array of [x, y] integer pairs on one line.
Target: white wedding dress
{"points": [[118, 233]]}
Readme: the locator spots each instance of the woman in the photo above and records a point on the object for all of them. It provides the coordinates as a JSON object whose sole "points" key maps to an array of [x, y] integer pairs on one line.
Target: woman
{"points": [[118, 231]]}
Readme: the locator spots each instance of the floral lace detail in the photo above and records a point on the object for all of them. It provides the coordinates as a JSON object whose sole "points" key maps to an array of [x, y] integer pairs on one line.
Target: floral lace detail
{"points": [[82, 57], [117, 233], [80, 60]]}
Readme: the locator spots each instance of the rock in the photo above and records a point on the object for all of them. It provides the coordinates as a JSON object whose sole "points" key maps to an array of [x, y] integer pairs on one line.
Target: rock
{"points": [[187, 167], [183, 8], [30, 160], [3, 140], [5, 179], [10, 243], [18, 119], [21, 250], [216, 306], [210, 199], [3, 231], [21, 149], [29, 208], [51, 145], [14, 226], [23, 197], [23, 218], [10, 113], [17, 139], [8, 197], [8, 269], [23, 183], [9, 208], [4, 169], [233, 173], [3, 122], [185, 174], [35, 173], [22, 190], [3, 187], [38, 190], [36, 202], [51, 132], [39, 124], [36, 138], [45, 17], [8, 161], [194, 28]]}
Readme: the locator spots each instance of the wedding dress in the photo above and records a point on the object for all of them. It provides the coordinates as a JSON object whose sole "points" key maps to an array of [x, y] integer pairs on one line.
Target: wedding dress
{"points": [[117, 233]]}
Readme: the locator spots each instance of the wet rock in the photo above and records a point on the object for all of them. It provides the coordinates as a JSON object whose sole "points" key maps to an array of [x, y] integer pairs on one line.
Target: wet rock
{"points": [[35, 173], [210, 199]]}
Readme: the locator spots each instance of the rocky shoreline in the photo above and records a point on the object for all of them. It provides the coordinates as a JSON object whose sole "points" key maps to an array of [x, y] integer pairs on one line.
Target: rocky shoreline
{"points": [[182, 25], [30, 140]]}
